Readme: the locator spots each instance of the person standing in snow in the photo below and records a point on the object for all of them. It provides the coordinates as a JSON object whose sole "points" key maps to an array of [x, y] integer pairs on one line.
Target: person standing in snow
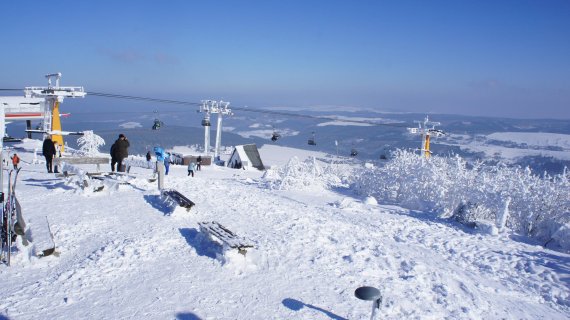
{"points": [[113, 159], [48, 150], [57, 149], [191, 168], [199, 163], [15, 160], [121, 151], [166, 163]]}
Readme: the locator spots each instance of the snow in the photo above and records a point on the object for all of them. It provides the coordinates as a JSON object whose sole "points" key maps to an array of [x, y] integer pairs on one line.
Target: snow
{"points": [[122, 253], [537, 139], [343, 123], [354, 121], [267, 133], [516, 145], [130, 125]]}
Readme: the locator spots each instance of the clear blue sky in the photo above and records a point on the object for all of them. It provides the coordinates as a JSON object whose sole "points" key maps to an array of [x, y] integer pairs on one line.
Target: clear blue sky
{"points": [[497, 58]]}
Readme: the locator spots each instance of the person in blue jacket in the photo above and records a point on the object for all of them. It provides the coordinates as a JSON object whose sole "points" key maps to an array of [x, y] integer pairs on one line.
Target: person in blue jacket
{"points": [[166, 163], [191, 168]]}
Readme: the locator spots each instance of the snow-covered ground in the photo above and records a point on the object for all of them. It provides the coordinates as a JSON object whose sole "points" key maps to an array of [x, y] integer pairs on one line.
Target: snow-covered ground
{"points": [[514, 145], [123, 254]]}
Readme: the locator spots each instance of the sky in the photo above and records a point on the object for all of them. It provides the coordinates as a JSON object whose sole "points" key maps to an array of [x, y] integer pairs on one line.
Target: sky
{"points": [[492, 58]]}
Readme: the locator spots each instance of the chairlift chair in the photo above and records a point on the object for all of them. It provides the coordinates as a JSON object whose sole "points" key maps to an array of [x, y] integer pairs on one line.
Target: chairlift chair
{"points": [[353, 153]]}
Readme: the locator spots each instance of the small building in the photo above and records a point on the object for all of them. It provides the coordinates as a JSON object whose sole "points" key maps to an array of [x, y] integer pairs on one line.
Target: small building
{"points": [[245, 156], [206, 160]]}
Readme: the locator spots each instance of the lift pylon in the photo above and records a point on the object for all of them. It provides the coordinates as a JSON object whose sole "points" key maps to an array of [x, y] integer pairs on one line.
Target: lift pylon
{"points": [[426, 133], [209, 107], [54, 96]]}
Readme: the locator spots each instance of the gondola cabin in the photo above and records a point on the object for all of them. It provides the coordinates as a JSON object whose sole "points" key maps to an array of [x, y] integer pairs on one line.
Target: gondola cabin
{"points": [[312, 141], [157, 124], [275, 136]]}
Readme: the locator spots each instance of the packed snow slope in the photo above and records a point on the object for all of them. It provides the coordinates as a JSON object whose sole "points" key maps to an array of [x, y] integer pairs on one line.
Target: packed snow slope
{"points": [[123, 253]]}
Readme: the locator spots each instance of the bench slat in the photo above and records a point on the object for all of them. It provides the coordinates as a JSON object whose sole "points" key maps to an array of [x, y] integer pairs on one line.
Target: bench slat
{"points": [[225, 235], [81, 160], [180, 199]]}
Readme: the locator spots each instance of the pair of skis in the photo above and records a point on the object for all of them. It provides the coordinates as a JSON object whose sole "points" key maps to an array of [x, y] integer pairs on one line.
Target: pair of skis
{"points": [[13, 224], [11, 217]]}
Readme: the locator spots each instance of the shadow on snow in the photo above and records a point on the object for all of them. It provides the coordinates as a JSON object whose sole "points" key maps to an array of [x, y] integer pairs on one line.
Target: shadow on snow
{"points": [[201, 243], [156, 202], [48, 184], [186, 316], [297, 305]]}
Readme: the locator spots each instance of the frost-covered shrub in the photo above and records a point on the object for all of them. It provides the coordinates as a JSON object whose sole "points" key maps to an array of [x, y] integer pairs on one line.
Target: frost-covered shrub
{"points": [[532, 205], [306, 174], [468, 213], [89, 143]]}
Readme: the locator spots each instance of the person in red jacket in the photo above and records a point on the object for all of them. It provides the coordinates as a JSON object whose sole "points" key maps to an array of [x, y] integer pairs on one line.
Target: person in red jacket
{"points": [[15, 161]]}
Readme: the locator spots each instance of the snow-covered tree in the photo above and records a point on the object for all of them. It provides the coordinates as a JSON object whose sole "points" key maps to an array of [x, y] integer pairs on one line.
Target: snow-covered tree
{"points": [[89, 143], [473, 193], [303, 175]]}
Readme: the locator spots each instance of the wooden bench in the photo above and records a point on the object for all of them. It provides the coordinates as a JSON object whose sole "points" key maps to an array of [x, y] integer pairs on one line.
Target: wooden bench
{"points": [[223, 234], [81, 160], [177, 197]]}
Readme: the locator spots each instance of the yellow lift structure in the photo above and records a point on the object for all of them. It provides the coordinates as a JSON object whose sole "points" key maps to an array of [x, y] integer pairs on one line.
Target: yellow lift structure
{"points": [[54, 96]]}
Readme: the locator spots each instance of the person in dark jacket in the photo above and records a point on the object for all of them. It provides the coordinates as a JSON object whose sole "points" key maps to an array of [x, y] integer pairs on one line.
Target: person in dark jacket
{"points": [[121, 151], [113, 159], [199, 163], [49, 152]]}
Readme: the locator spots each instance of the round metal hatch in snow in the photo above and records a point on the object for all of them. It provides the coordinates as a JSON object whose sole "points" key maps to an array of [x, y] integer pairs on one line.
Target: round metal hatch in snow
{"points": [[367, 293]]}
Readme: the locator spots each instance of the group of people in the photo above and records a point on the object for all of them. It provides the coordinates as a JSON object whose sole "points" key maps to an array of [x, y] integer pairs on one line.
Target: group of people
{"points": [[51, 149], [119, 151]]}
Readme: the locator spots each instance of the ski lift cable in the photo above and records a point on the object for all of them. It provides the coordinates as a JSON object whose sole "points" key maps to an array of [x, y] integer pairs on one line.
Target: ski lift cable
{"points": [[247, 109]]}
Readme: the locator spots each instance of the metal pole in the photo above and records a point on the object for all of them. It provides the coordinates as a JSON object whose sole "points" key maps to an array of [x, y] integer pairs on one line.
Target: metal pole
{"points": [[207, 139], [218, 136], [2, 131]]}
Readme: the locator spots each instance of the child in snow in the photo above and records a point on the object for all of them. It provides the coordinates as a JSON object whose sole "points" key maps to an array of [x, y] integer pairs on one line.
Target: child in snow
{"points": [[191, 168]]}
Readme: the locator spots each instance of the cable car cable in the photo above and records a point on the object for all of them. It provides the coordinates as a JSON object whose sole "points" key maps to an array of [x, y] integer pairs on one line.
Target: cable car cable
{"points": [[247, 109]]}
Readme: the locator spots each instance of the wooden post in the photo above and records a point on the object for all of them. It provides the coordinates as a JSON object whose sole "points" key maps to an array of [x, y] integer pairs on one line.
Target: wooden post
{"points": [[160, 170]]}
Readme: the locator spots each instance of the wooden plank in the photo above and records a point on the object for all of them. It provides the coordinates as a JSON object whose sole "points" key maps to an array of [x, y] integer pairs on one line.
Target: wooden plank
{"points": [[225, 235], [180, 199], [81, 160]]}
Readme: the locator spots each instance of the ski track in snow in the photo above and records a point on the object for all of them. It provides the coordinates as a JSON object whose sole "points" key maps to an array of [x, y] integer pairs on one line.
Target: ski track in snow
{"points": [[117, 249]]}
